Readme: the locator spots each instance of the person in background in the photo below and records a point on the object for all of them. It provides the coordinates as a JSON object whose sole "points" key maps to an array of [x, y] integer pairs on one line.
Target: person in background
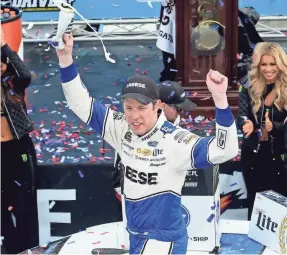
{"points": [[262, 111], [174, 101], [166, 40], [19, 219]]}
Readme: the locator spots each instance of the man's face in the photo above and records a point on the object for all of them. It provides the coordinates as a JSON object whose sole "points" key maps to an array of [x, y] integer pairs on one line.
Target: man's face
{"points": [[141, 118], [171, 113]]}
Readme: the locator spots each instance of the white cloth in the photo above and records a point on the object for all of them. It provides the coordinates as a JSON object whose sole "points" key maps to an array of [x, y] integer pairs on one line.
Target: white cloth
{"points": [[166, 40]]}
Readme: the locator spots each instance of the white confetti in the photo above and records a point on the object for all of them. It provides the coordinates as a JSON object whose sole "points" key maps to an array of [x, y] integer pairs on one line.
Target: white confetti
{"points": [[47, 35], [95, 48], [149, 4], [62, 159], [168, 60], [48, 48], [24, 31], [140, 46], [118, 94], [116, 5], [52, 204], [36, 91], [30, 26], [48, 85]]}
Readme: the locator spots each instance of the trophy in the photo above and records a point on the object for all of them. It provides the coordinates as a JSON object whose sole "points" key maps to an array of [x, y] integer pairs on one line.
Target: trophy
{"points": [[65, 24]]}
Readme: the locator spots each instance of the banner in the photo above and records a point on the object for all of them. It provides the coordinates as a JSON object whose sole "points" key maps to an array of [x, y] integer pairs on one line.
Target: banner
{"points": [[44, 10], [72, 198]]}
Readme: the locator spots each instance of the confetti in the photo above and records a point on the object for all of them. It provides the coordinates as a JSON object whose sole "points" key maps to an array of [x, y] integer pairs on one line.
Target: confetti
{"points": [[211, 217], [116, 5], [10, 208], [97, 242], [149, 4], [52, 204], [17, 183], [30, 26], [80, 173]]}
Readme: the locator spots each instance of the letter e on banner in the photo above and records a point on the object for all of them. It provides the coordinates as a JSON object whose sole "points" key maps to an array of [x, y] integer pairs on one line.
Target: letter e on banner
{"points": [[45, 217]]}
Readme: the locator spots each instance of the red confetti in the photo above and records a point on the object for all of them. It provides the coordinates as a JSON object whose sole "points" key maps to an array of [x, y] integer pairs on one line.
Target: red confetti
{"points": [[194, 94], [123, 247], [104, 233], [97, 242], [10, 208], [86, 68], [138, 60], [137, 69], [37, 32]]}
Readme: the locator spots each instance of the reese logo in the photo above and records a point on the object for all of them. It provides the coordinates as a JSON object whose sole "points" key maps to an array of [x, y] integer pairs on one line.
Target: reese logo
{"points": [[141, 177]]}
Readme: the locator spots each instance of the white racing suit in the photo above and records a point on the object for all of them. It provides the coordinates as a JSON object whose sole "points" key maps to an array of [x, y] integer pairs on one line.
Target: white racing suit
{"points": [[155, 166]]}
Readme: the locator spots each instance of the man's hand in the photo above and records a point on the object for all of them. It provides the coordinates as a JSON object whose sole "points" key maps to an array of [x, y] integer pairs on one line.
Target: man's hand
{"points": [[268, 123], [65, 55], [248, 127], [3, 42], [217, 85]]}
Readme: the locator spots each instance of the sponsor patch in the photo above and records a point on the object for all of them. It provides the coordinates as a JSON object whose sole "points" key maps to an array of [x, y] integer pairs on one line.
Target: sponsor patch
{"points": [[118, 115], [152, 143], [221, 138], [167, 128], [128, 136]]}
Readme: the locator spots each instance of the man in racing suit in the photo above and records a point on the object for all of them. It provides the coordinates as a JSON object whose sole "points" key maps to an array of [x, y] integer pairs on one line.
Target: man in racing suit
{"points": [[174, 101], [155, 153]]}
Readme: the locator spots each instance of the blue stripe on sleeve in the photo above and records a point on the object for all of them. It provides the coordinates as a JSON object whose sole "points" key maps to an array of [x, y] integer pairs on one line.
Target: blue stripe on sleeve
{"points": [[68, 73], [224, 117], [98, 116], [200, 153]]}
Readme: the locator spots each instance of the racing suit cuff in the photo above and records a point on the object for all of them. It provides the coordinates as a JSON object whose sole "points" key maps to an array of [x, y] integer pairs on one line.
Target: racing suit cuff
{"points": [[224, 117], [68, 73]]}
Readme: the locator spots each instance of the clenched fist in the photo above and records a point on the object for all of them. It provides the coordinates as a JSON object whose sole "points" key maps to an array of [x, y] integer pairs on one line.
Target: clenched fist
{"points": [[217, 85], [65, 55]]}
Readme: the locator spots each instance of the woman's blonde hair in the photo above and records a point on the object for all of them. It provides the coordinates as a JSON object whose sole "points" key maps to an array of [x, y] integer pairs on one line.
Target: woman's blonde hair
{"points": [[258, 82]]}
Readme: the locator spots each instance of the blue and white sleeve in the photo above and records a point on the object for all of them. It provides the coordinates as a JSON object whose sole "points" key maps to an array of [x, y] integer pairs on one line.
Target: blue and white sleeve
{"points": [[90, 111]]}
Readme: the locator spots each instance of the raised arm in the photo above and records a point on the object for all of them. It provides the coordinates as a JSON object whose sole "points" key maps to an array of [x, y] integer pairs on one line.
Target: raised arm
{"points": [[90, 111], [22, 78], [201, 152]]}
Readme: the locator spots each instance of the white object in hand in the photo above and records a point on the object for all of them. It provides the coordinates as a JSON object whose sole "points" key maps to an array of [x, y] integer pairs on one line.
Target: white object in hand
{"points": [[65, 22]]}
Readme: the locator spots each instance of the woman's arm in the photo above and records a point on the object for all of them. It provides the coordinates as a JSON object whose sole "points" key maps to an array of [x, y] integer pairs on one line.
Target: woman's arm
{"points": [[22, 77]]}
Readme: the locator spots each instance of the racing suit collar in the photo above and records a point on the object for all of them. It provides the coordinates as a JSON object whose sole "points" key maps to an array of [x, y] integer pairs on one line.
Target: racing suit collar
{"points": [[161, 119], [177, 121]]}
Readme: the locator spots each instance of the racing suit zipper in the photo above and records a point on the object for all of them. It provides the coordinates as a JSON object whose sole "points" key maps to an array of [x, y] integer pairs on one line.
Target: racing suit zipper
{"points": [[10, 119]]}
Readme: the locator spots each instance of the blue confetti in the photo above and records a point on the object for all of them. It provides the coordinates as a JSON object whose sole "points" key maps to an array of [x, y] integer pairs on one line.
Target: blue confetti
{"points": [[233, 184], [80, 173], [11, 92], [213, 207], [211, 217], [220, 2]]}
